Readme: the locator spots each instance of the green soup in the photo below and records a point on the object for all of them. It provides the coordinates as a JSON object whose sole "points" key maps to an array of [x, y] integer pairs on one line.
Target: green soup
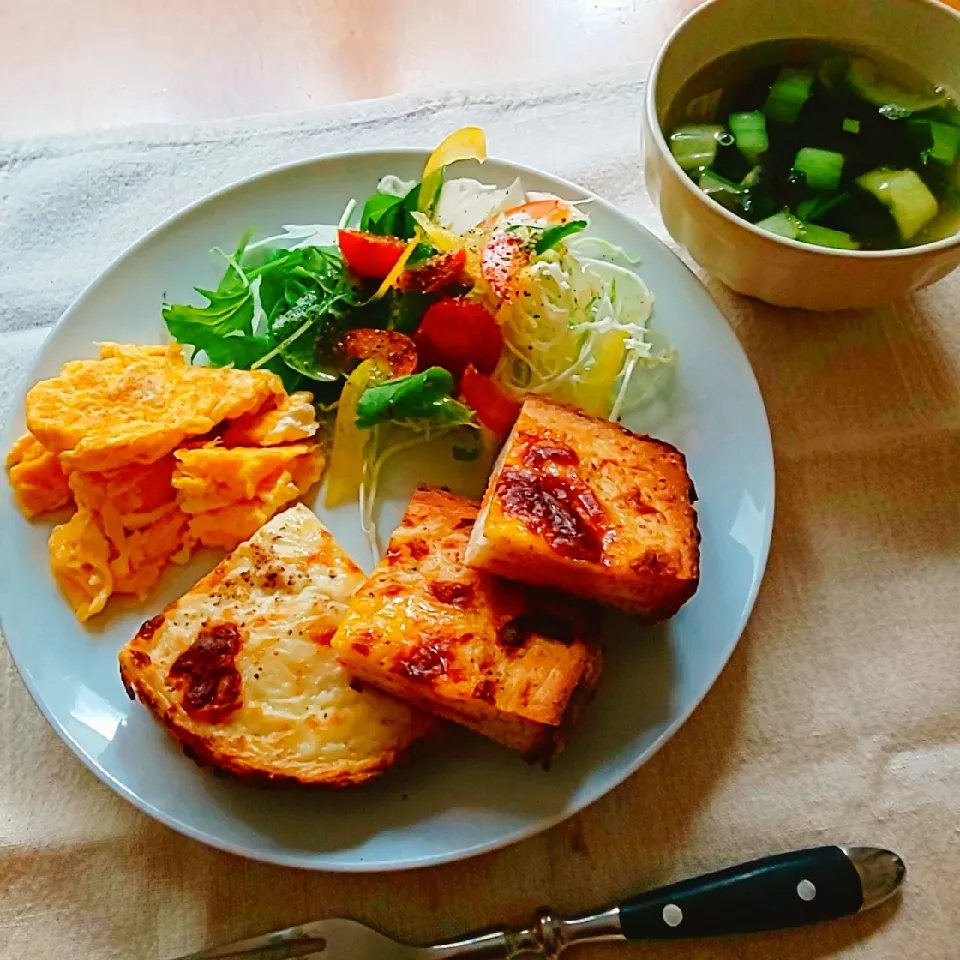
{"points": [[825, 145]]}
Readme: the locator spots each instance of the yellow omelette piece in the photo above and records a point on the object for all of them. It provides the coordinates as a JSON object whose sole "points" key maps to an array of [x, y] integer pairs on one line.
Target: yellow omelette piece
{"points": [[146, 552], [293, 418], [126, 408], [38, 481], [134, 508], [139, 351], [80, 563], [227, 526], [211, 477], [229, 493], [128, 491]]}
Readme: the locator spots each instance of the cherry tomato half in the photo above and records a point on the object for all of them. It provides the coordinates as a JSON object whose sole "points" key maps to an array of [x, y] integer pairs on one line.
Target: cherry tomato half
{"points": [[456, 332], [496, 410], [368, 255], [443, 270], [397, 350]]}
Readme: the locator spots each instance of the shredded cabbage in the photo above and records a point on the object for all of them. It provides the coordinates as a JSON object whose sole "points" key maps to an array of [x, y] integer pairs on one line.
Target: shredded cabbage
{"points": [[596, 248], [372, 467], [465, 202], [387, 440], [294, 237], [259, 321], [579, 333]]}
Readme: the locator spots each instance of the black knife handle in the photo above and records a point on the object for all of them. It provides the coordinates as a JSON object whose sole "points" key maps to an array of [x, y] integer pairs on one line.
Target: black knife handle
{"points": [[786, 890]]}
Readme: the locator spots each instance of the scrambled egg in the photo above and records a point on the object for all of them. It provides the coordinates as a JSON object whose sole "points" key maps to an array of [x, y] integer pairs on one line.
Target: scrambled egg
{"points": [[144, 553], [127, 440], [80, 560], [293, 418], [231, 492], [138, 490], [135, 407], [135, 508], [38, 480]]}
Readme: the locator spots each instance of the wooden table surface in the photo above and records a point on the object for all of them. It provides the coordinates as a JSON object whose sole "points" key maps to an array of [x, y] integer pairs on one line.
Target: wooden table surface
{"points": [[67, 67]]}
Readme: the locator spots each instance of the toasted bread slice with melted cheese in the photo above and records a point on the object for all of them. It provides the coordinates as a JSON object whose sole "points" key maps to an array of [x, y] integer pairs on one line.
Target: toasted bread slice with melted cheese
{"points": [[586, 506], [507, 661], [241, 671]]}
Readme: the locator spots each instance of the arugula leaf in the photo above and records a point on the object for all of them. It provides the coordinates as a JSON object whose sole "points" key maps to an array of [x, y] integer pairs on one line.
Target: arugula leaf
{"points": [[381, 213], [395, 310], [201, 326], [243, 352], [306, 336], [421, 399], [318, 297], [274, 315], [237, 350], [553, 235], [421, 252], [410, 207], [234, 280], [407, 310], [229, 308], [390, 216]]}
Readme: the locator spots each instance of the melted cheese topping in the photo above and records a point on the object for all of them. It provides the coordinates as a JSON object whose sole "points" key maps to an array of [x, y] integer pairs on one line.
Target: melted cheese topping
{"points": [[286, 590]]}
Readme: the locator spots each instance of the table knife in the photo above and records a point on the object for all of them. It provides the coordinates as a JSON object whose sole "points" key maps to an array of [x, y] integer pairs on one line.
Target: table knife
{"points": [[773, 893]]}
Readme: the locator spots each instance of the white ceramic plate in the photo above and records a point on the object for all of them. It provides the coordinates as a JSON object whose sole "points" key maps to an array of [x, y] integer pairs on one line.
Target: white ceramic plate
{"points": [[474, 796]]}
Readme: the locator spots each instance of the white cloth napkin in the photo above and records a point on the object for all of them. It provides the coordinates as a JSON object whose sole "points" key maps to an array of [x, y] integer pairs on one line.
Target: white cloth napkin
{"points": [[838, 717]]}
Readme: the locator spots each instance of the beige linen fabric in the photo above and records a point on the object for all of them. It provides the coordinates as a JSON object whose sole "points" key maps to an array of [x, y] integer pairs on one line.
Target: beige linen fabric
{"points": [[838, 718]]}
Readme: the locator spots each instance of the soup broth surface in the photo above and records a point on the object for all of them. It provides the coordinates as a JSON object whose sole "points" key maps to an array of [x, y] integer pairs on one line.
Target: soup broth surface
{"points": [[828, 145]]}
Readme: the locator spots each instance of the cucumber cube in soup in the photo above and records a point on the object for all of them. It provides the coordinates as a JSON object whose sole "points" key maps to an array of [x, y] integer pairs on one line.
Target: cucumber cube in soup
{"points": [[825, 237], [790, 91], [940, 141], [822, 168], [894, 102], [783, 224], [727, 193], [905, 195], [750, 133], [694, 146]]}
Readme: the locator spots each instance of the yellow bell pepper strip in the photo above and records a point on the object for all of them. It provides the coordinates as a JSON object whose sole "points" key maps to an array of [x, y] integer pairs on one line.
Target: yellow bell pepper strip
{"points": [[349, 449], [467, 143]]}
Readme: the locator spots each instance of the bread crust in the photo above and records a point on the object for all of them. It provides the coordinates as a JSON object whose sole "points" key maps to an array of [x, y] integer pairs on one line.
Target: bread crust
{"points": [[586, 506], [241, 673], [513, 663]]}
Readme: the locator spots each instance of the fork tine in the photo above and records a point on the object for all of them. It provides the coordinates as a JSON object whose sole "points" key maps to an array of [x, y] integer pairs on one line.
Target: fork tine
{"points": [[333, 939], [292, 943]]}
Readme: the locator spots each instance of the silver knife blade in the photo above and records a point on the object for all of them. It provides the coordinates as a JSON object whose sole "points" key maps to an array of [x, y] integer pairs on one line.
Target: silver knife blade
{"points": [[333, 939]]}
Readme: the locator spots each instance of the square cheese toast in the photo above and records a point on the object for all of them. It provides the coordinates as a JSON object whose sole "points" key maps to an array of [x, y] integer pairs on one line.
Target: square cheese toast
{"points": [[241, 672], [508, 661], [586, 506]]}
